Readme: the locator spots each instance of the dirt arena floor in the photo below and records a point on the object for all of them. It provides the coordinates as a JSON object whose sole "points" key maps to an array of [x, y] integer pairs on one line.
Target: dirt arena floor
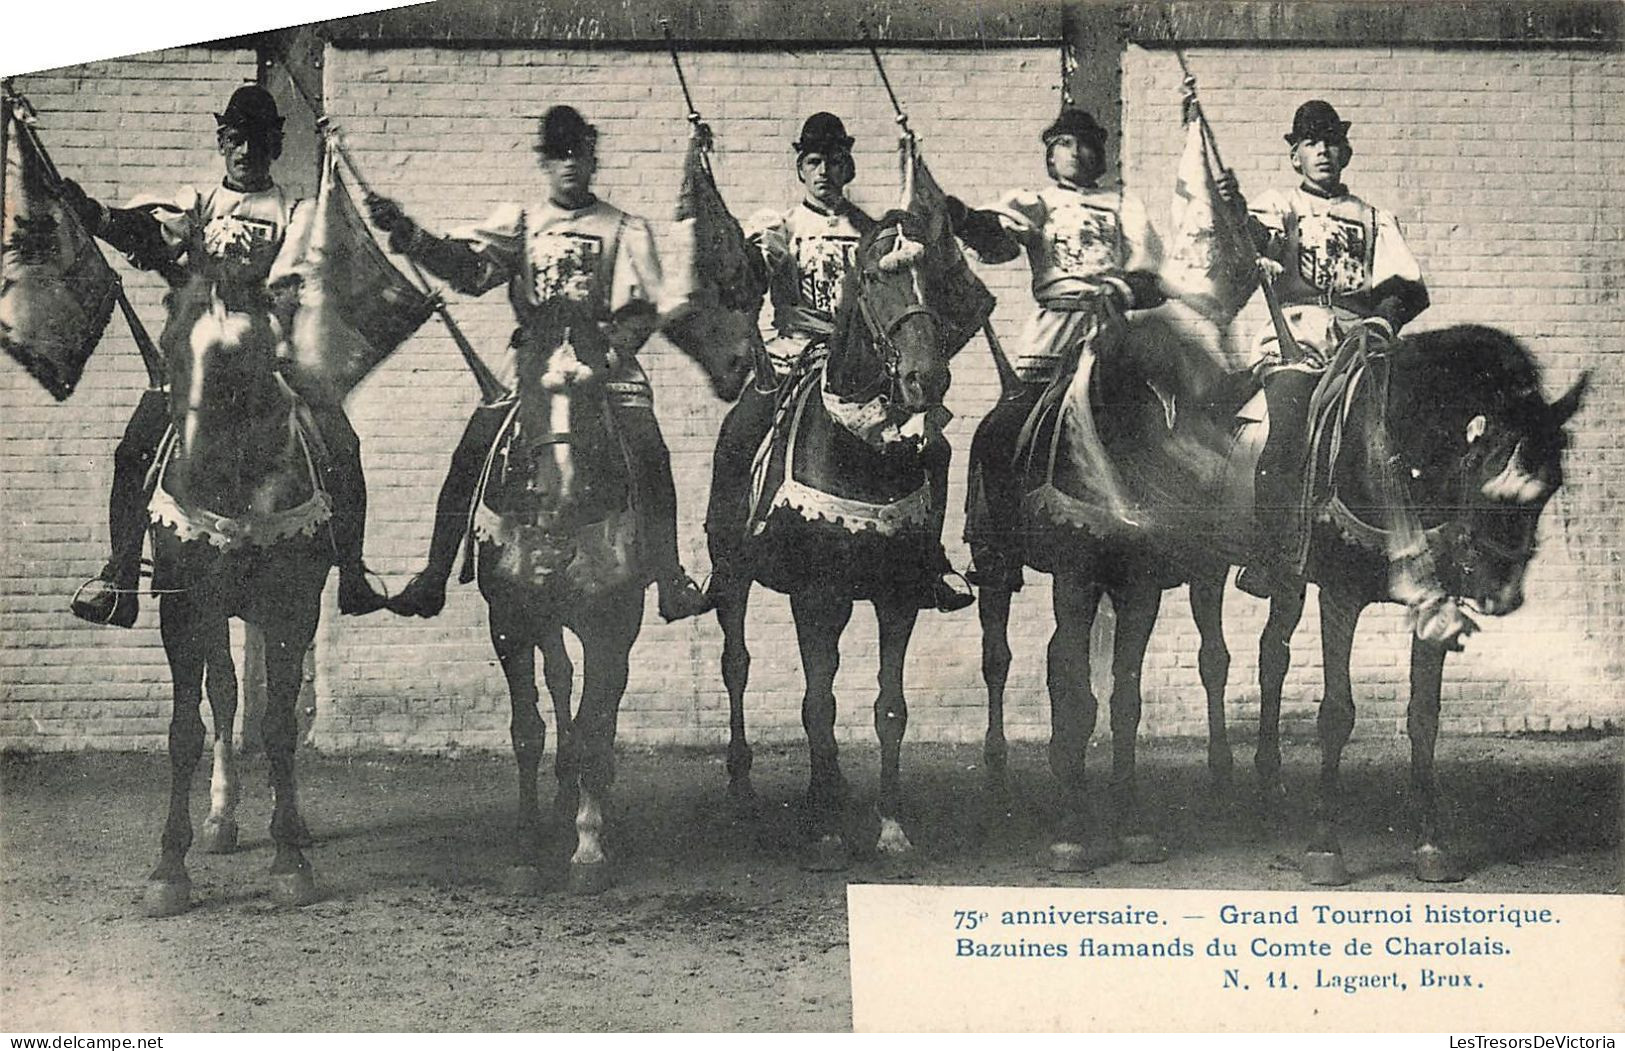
{"points": [[711, 925]]}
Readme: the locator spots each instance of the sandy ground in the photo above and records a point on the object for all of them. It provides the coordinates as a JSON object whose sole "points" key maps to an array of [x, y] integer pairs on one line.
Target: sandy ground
{"points": [[711, 926]]}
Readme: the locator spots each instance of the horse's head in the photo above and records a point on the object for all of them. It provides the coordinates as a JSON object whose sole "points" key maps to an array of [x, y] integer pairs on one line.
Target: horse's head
{"points": [[223, 393], [1484, 449], [888, 339]]}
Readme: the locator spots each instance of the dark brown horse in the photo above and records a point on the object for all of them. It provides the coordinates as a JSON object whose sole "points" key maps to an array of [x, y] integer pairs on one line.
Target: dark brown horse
{"points": [[1479, 450], [558, 549], [844, 514], [239, 531]]}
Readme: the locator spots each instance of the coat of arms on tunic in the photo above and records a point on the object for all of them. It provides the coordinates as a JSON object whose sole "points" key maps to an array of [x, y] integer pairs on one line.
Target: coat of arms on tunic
{"points": [[822, 263], [565, 266], [1083, 240], [241, 240], [1331, 253]]}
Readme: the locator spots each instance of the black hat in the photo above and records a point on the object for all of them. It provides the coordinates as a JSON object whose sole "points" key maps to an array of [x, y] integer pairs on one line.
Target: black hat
{"points": [[823, 133], [565, 132], [251, 109], [1316, 119], [1078, 123]]}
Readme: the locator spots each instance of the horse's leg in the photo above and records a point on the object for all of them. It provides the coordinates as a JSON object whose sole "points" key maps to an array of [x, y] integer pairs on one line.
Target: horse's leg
{"points": [[891, 717], [1072, 712], [515, 647], [169, 887], [820, 618], [1213, 662], [219, 833], [1339, 614], [1137, 609], [1433, 863], [732, 595], [606, 644], [292, 879], [1274, 658], [559, 673], [993, 607]]}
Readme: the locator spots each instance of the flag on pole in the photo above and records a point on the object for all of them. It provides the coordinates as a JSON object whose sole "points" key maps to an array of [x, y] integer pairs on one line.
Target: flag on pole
{"points": [[709, 307], [1209, 262], [354, 307], [56, 290], [961, 300]]}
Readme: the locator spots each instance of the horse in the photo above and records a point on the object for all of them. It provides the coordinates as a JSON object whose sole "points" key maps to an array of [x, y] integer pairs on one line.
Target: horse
{"points": [[842, 513], [239, 529], [556, 548], [1481, 451]]}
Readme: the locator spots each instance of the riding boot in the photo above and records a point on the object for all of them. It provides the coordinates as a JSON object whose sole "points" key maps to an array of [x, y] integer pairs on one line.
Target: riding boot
{"points": [[997, 548], [347, 488], [945, 590], [727, 512], [656, 500], [425, 595], [1278, 488], [111, 597]]}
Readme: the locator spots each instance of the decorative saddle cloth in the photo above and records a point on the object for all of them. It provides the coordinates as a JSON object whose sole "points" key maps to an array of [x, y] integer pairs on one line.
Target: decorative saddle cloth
{"points": [[775, 484], [255, 529], [591, 548]]}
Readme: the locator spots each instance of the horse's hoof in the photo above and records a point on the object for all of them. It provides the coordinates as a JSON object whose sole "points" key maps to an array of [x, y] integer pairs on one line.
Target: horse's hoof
{"points": [[589, 877], [828, 854], [1143, 849], [1324, 868], [522, 881], [1069, 857], [1434, 865], [166, 897], [893, 840], [218, 836], [295, 888]]}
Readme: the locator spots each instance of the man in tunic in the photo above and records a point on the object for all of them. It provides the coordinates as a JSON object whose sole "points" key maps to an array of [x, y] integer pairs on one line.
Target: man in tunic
{"points": [[229, 236], [570, 261], [805, 255], [1093, 255], [1344, 266]]}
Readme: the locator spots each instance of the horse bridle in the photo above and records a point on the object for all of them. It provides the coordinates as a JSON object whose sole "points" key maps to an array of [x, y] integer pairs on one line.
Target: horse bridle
{"points": [[880, 335]]}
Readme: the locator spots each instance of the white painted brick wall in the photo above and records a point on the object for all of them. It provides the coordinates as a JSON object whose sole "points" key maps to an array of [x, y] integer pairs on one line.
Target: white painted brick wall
{"points": [[1488, 203]]}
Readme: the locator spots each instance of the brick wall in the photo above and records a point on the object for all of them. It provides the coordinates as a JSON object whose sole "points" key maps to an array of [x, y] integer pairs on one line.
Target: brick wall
{"points": [[448, 131]]}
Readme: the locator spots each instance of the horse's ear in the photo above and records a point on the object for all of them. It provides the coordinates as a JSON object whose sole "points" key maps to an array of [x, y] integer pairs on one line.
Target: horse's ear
{"points": [[1565, 407]]}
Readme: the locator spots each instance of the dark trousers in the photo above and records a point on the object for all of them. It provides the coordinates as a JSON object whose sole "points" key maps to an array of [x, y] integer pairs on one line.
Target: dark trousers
{"points": [[344, 481], [993, 451], [127, 505], [1278, 484], [648, 458]]}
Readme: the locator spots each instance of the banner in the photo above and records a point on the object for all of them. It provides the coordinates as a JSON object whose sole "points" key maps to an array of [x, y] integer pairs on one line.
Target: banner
{"points": [[962, 300], [354, 307], [709, 308], [56, 290], [1209, 262]]}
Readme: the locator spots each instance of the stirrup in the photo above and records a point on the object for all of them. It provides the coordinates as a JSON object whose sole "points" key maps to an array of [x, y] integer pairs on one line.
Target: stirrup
{"points": [[105, 604]]}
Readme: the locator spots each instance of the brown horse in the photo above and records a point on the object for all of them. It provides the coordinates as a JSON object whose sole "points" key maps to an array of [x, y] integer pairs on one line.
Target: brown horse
{"points": [[239, 530], [844, 514], [1480, 450], [557, 549]]}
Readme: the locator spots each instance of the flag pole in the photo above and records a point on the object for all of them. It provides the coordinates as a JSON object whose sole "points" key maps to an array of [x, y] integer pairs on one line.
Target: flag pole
{"points": [[22, 114], [491, 388]]}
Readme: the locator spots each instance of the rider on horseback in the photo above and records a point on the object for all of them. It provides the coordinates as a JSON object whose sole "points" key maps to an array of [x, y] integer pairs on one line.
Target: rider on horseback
{"points": [[805, 255], [1345, 272], [1093, 255], [572, 261], [228, 237]]}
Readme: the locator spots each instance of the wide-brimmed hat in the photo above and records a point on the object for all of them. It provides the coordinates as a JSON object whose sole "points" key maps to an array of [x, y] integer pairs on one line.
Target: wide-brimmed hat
{"points": [[251, 108]]}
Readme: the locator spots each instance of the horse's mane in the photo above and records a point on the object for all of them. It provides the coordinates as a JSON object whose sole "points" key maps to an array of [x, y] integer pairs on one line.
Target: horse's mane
{"points": [[1471, 362]]}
